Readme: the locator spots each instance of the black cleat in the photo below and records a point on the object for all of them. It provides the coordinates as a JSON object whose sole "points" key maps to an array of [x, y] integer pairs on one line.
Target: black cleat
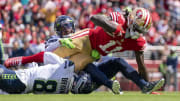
{"points": [[153, 86]]}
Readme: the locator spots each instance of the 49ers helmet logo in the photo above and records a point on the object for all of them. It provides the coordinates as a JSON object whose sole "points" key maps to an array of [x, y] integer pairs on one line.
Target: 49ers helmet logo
{"points": [[139, 14]]}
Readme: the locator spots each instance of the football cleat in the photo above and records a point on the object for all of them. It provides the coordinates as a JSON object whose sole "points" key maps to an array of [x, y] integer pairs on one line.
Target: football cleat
{"points": [[116, 87], [120, 91], [153, 86], [16, 61]]}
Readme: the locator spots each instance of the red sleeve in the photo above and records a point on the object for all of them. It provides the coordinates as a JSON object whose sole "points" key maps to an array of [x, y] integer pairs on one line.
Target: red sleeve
{"points": [[117, 17]]}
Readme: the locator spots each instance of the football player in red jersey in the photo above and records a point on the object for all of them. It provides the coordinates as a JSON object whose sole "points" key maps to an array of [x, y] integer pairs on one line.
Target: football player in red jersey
{"points": [[127, 34], [132, 26]]}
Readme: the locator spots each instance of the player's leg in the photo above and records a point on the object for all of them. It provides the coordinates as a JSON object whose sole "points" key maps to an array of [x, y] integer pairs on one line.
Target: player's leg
{"points": [[42, 57], [17, 61], [9, 82], [112, 66], [99, 78], [51, 58]]}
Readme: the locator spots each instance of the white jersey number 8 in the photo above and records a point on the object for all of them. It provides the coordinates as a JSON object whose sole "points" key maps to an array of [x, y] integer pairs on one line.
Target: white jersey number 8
{"points": [[41, 86]]}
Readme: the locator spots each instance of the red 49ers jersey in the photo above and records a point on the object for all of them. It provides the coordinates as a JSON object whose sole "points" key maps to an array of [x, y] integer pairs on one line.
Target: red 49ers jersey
{"points": [[105, 43]]}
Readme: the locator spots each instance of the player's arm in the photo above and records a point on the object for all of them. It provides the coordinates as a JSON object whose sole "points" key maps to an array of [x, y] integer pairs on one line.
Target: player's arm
{"points": [[51, 45], [141, 66], [104, 22], [107, 24]]}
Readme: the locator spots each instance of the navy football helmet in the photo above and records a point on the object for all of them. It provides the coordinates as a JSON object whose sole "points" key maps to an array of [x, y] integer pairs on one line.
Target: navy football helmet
{"points": [[82, 84], [64, 25]]}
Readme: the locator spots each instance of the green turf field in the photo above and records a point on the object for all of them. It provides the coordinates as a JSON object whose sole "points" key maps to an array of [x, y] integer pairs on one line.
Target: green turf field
{"points": [[100, 96]]}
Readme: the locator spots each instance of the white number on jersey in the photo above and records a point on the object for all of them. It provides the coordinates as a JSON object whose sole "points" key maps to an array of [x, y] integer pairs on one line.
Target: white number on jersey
{"points": [[108, 45]]}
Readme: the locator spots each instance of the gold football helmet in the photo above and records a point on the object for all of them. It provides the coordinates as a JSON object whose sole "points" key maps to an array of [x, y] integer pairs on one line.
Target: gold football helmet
{"points": [[139, 20]]}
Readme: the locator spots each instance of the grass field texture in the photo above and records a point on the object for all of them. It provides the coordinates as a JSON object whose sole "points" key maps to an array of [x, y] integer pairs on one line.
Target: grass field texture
{"points": [[96, 96]]}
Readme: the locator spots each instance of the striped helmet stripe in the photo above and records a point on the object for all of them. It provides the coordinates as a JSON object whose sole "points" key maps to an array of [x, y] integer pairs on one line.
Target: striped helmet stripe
{"points": [[114, 17], [148, 20], [117, 16], [144, 13]]}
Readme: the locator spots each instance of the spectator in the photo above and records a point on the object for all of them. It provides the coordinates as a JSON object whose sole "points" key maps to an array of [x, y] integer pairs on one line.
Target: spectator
{"points": [[50, 12], [16, 5], [172, 62], [15, 49], [25, 50], [162, 26], [24, 2], [27, 17], [39, 47]]}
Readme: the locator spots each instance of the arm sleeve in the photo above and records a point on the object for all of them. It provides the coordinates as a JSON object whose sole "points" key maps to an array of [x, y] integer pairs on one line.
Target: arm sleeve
{"points": [[52, 44]]}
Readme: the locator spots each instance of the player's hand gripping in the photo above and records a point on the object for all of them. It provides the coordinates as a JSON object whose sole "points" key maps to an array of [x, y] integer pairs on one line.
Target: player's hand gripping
{"points": [[95, 54], [67, 42]]}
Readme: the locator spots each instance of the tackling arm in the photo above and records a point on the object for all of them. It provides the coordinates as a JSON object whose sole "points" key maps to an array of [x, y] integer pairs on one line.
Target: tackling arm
{"points": [[141, 66], [104, 22]]}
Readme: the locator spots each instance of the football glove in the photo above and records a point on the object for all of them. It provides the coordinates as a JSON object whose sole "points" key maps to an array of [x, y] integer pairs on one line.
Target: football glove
{"points": [[67, 42], [95, 54]]}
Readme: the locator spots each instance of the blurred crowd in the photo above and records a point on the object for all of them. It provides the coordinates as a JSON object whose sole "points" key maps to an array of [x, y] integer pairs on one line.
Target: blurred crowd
{"points": [[28, 23]]}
